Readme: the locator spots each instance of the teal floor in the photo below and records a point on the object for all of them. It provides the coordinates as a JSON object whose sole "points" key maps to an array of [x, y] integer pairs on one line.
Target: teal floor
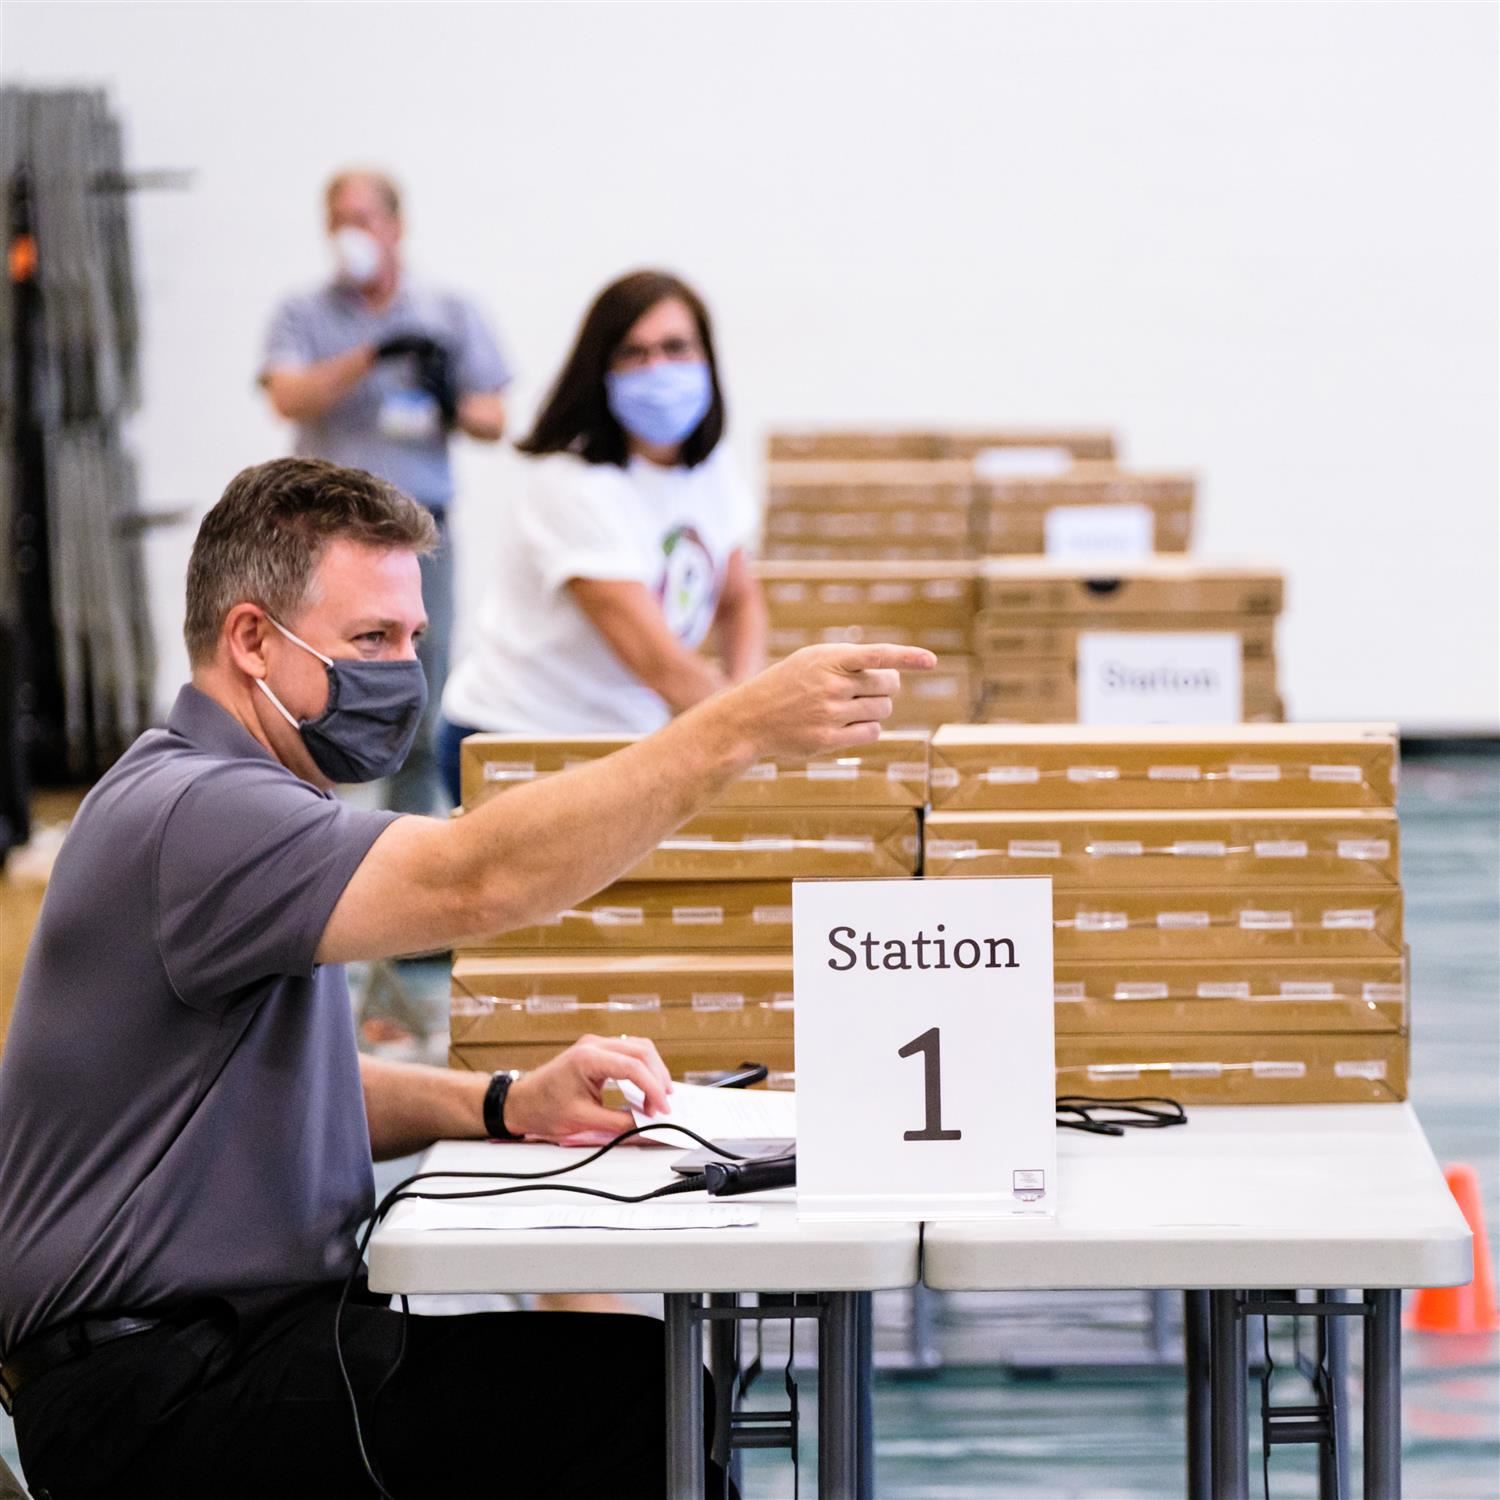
{"points": [[980, 1430]]}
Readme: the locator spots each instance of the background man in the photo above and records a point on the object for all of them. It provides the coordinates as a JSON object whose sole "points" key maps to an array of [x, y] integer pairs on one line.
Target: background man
{"points": [[378, 371], [186, 1127]]}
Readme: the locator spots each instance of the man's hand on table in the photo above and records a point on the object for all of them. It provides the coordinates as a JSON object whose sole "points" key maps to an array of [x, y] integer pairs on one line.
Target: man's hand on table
{"points": [[562, 1100]]}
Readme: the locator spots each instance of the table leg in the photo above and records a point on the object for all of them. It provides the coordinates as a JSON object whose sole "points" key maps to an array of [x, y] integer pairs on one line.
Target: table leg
{"points": [[1230, 1401], [1195, 1359], [1333, 1355], [1383, 1396], [723, 1364], [685, 1476], [865, 1414], [838, 1397]]}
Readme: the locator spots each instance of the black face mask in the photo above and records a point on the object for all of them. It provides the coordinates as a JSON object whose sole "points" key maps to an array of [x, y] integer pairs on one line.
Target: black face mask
{"points": [[374, 711]]}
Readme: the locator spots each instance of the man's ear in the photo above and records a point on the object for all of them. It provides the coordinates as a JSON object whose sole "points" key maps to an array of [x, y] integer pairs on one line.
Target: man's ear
{"points": [[244, 635]]}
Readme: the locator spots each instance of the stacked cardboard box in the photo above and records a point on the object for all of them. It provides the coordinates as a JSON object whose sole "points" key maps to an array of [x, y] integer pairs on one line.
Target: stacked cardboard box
{"points": [[890, 443], [869, 509], [1032, 612], [1011, 511], [913, 603], [1227, 902], [693, 947], [948, 508]]}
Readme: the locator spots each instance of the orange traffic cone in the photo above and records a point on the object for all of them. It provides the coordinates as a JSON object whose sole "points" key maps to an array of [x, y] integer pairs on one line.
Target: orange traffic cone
{"points": [[1462, 1309]]}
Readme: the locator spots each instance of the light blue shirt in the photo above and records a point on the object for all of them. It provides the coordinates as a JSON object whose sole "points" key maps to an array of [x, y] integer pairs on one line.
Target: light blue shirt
{"points": [[385, 425]]}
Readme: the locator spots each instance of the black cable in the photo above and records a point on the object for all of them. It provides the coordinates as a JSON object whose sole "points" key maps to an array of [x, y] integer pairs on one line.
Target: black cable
{"points": [[524, 1182]]}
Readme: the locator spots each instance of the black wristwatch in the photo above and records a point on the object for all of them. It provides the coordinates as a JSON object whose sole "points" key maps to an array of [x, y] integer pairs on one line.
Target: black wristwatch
{"points": [[494, 1105]]}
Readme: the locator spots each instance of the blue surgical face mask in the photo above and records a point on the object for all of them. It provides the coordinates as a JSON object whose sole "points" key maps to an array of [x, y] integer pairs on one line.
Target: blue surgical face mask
{"points": [[374, 711], [662, 403]]}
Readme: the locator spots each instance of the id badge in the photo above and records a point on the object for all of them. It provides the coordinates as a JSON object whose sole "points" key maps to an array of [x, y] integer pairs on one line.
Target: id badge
{"points": [[409, 417]]}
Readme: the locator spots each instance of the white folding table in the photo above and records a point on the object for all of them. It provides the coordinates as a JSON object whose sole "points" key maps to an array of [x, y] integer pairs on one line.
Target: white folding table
{"points": [[840, 1263], [1236, 1202]]}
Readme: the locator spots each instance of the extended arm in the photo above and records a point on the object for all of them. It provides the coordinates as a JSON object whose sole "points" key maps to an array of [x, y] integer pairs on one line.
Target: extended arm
{"points": [[430, 884]]}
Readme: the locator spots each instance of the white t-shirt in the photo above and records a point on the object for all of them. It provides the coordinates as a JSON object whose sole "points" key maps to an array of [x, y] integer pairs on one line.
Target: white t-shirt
{"points": [[538, 664]]}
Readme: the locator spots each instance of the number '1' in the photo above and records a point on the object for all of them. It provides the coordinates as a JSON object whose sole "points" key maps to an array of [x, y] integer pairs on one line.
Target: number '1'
{"points": [[932, 1072]]}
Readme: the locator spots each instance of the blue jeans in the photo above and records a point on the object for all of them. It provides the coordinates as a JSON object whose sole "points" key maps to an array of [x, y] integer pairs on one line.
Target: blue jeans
{"points": [[449, 737]]}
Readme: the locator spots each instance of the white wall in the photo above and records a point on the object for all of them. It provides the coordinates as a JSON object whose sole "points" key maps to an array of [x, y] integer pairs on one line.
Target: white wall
{"points": [[1259, 240]]}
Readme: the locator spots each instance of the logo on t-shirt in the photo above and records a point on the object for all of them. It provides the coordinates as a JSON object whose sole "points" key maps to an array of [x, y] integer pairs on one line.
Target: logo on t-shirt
{"points": [[688, 589]]}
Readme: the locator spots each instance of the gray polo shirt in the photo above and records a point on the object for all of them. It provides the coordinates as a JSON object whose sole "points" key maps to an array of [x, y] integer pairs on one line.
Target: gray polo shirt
{"points": [[180, 1104], [379, 425]]}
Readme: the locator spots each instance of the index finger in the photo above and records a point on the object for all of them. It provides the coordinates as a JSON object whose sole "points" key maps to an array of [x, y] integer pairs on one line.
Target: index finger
{"points": [[901, 658]]}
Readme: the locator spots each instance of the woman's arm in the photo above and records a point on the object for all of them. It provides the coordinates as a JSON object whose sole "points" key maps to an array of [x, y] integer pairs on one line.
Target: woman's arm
{"points": [[740, 624], [631, 622]]}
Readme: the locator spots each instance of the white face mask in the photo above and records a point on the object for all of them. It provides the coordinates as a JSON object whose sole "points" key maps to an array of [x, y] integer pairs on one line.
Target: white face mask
{"points": [[356, 253]]}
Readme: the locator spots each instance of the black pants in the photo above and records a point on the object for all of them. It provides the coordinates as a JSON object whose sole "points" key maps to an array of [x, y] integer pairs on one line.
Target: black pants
{"points": [[544, 1404]]}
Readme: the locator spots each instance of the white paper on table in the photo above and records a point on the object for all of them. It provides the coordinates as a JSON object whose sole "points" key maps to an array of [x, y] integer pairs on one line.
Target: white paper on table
{"points": [[432, 1215], [720, 1114]]}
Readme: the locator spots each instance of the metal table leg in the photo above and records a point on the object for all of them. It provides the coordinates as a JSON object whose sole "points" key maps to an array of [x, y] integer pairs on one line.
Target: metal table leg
{"points": [[865, 1375], [1195, 1358], [1230, 1402], [1333, 1356], [685, 1475], [1383, 1396], [723, 1364], [838, 1397]]}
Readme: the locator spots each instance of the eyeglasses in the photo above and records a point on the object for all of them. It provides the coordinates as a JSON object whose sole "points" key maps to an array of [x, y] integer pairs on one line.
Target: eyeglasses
{"points": [[1116, 1116], [634, 356]]}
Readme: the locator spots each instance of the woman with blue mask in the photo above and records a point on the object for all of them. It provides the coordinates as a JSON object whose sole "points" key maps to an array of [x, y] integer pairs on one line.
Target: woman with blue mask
{"points": [[627, 546]]}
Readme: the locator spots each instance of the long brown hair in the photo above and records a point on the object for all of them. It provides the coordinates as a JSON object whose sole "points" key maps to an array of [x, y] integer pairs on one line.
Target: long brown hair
{"points": [[576, 417]]}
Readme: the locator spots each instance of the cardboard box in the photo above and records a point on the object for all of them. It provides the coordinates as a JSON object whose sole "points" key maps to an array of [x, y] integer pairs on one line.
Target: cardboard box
{"points": [[1228, 923], [688, 1062], [945, 694], [847, 526], [1009, 639], [869, 593], [1088, 484], [20, 906], [1273, 848], [1366, 1067], [1081, 444], [1173, 996], [787, 844], [853, 444], [1020, 529], [950, 639], [730, 914], [823, 486], [1255, 711], [547, 997], [887, 443], [888, 523], [1048, 691], [1010, 511], [890, 773], [874, 551], [1163, 766], [1036, 586]]}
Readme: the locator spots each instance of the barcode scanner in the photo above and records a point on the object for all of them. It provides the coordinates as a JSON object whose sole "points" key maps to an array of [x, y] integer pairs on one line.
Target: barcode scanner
{"points": [[726, 1179]]}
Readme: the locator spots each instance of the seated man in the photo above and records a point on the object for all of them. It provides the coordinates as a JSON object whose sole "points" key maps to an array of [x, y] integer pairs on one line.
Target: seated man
{"points": [[186, 1126]]}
